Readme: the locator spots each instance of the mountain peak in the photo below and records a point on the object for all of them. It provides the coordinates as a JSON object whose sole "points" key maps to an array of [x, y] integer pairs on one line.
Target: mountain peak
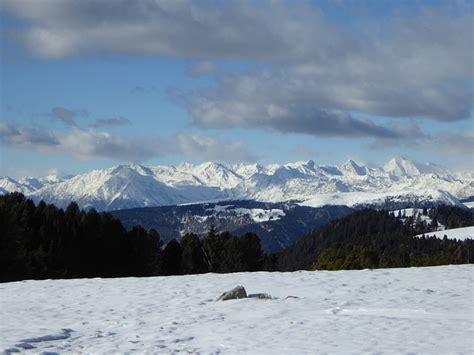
{"points": [[134, 185], [401, 167], [212, 165], [351, 167], [131, 168]]}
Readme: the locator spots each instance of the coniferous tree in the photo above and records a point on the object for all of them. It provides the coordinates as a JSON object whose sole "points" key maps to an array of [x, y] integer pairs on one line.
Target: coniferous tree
{"points": [[251, 252], [192, 257], [211, 249], [172, 258]]}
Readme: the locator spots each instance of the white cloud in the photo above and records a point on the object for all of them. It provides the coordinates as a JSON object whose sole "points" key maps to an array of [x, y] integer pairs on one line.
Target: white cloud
{"points": [[89, 144], [206, 148], [205, 30], [66, 115], [201, 69], [79, 143], [111, 122], [321, 78], [451, 144]]}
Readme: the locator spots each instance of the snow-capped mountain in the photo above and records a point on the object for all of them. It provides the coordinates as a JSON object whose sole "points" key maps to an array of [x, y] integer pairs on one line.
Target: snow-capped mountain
{"points": [[28, 185], [400, 182]]}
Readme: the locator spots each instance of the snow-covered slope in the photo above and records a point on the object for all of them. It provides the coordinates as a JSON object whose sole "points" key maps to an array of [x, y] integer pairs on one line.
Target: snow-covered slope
{"points": [[392, 311], [28, 185], [417, 215], [469, 204], [402, 167], [455, 233], [8, 184], [399, 182]]}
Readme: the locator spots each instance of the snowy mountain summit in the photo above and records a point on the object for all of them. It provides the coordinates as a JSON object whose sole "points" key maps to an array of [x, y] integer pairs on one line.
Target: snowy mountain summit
{"points": [[401, 167], [128, 186]]}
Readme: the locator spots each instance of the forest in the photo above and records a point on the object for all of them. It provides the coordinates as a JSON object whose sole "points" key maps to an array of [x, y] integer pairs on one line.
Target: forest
{"points": [[42, 241], [377, 239]]}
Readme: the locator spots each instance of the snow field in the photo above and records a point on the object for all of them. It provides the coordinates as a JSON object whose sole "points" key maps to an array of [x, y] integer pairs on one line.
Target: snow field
{"points": [[421, 310], [469, 204], [256, 214], [415, 212], [455, 233]]}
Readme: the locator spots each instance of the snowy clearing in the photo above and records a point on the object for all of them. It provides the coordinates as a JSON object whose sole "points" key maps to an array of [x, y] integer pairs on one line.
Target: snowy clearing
{"points": [[469, 204], [423, 310], [256, 214], [455, 233], [406, 196], [415, 213]]}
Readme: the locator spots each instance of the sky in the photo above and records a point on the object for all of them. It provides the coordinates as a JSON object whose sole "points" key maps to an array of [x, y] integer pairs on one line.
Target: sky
{"points": [[91, 84]]}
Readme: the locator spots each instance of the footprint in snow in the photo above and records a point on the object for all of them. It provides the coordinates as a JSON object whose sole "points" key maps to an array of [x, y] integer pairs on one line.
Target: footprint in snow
{"points": [[335, 310], [26, 344], [180, 340]]}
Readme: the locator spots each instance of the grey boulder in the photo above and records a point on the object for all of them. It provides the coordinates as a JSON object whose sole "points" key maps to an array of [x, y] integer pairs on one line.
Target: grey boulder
{"points": [[236, 293]]}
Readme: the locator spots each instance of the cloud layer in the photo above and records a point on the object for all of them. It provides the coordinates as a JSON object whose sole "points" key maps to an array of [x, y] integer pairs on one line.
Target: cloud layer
{"points": [[201, 68], [111, 122], [199, 146], [90, 143], [76, 142], [410, 66], [288, 106], [67, 116], [382, 79], [185, 29]]}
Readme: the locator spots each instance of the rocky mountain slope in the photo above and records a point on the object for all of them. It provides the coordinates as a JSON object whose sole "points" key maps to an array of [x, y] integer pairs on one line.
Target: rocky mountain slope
{"points": [[398, 183]]}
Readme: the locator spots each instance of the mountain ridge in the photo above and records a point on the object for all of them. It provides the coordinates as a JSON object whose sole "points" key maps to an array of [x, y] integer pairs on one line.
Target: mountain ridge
{"points": [[351, 184]]}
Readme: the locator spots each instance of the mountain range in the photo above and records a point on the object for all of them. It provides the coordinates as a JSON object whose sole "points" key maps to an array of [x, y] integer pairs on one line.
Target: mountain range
{"points": [[399, 182]]}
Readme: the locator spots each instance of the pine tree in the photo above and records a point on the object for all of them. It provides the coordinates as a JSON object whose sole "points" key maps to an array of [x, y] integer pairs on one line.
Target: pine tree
{"points": [[211, 248], [172, 258], [192, 257]]}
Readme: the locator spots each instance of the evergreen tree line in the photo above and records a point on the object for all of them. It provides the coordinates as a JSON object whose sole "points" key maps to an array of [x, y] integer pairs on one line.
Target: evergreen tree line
{"points": [[216, 252], [449, 216], [372, 239], [38, 242], [42, 241], [420, 225], [452, 217]]}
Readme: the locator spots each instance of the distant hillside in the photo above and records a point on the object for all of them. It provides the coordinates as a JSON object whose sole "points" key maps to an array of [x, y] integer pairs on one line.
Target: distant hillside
{"points": [[277, 224], [371, 239]]}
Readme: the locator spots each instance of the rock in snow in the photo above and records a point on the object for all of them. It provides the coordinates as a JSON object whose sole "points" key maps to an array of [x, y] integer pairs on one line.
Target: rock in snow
{"points": [[239, 292], [236, 293], [261, 296]]}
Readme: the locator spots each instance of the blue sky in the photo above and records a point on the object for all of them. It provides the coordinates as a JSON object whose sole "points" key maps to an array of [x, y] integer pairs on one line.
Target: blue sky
{"points": [[93, 84]]}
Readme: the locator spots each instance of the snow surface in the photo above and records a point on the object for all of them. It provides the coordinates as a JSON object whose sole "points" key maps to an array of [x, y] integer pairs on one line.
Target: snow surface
{"points": [[415, 212], [354, 199], [413, 310], [256, 214], [469, 204], [455, 233]]}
